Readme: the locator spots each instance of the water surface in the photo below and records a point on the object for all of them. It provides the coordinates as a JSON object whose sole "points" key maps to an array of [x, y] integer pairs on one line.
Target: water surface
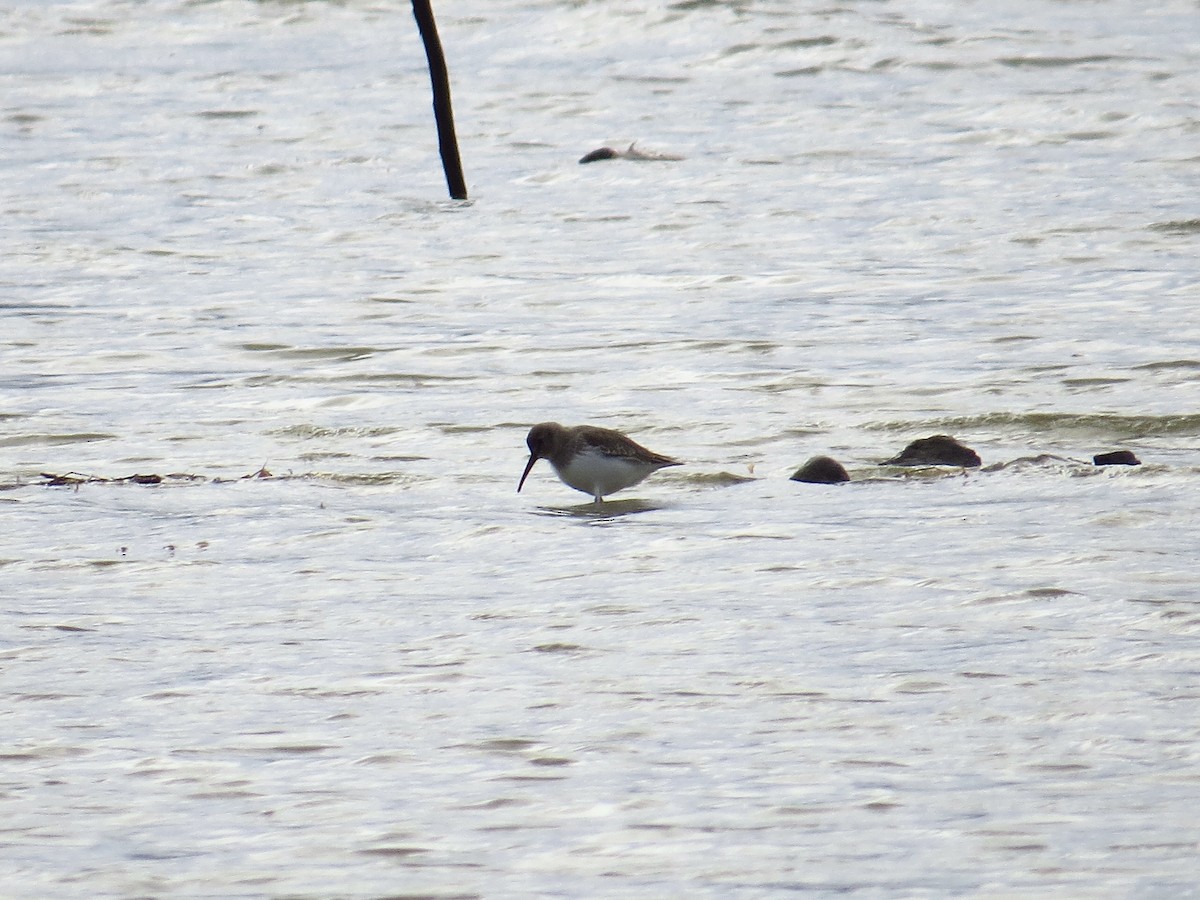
{"points": [[332, 652]]}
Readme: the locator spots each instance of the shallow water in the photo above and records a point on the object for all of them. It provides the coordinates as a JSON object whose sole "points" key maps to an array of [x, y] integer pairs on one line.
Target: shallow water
{"points": [[380, 671]]}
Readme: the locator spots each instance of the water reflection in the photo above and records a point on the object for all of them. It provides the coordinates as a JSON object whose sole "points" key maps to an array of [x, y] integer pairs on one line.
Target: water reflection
{"points": [[607, 511]]}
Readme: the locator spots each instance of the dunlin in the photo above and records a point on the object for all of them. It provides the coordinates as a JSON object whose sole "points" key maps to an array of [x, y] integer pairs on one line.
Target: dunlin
{"points": [[597, 461]]}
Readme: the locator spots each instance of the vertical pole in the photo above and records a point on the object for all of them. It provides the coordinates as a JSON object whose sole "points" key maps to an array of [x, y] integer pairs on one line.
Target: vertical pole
{"points": [[447, 142]]}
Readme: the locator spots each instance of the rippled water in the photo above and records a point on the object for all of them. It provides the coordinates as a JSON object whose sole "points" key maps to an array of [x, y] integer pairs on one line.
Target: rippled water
{"points": [[330, 652]]}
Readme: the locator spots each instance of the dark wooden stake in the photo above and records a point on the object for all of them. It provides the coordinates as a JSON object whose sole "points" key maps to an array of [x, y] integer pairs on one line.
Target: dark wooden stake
{"points": [[447, 142]]}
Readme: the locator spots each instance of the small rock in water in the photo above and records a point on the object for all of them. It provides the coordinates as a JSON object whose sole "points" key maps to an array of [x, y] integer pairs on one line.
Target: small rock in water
{"points": [[821, 470], [938, 450], [1116, 458]]}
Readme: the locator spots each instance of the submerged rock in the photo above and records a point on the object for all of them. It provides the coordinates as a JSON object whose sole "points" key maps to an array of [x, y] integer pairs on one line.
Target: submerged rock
{"points": [[821, 470], [938, 450], [1116, 458]]}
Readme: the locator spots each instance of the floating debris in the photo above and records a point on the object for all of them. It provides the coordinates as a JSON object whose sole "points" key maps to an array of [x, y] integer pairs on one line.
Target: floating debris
{"points": [[632, 153], [75, 479]]}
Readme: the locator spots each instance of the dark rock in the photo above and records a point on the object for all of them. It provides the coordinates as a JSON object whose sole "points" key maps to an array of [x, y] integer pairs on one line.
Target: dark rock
{"points": [[821, 470], [938, 450], [1116, 458]]}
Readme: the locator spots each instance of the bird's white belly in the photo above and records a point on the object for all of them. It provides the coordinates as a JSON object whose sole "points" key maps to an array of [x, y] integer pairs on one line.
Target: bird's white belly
{"points": [[597, 474]]}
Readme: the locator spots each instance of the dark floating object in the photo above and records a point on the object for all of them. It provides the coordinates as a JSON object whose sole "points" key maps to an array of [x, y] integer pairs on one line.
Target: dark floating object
{"points": [[75, 479], [1116, 458], [821, 470], [938, 450], [597, 155], [632, 153], [53, 480]]}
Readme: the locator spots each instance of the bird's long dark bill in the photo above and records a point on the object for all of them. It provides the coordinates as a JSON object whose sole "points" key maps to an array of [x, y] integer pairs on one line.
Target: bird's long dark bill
{"points": [[525, 474]]}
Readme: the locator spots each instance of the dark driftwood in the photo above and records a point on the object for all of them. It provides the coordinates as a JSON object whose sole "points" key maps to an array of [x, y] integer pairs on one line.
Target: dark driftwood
{"points": [[447, 142]]}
